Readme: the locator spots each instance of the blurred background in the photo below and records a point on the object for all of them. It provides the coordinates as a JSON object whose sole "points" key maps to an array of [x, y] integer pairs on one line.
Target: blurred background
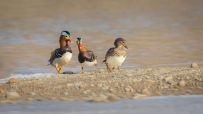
{"points": [[158, 32]]}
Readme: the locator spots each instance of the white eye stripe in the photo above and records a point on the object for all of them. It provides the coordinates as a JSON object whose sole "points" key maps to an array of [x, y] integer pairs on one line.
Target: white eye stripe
{"points": [[64, 34]]}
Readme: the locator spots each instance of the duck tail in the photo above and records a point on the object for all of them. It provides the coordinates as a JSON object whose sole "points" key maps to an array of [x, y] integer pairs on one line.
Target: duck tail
{"points": [[104, 61], [53, 50]]}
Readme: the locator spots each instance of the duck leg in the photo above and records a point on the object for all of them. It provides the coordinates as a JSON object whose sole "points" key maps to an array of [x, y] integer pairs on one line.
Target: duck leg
{"points": [[113, 68], [59, 70], [95, 68], [82, 71], [108, 69], [118, 68]]}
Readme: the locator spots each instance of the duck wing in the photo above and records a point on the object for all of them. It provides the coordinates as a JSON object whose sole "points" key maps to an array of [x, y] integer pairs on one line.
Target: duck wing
{"points": [[54, 54], [86, 56], [110, 52]]}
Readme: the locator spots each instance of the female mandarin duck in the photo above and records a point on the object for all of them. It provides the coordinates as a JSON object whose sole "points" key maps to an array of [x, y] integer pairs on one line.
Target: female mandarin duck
{"points": [[61, 56], [86, 57], [115, 56]]}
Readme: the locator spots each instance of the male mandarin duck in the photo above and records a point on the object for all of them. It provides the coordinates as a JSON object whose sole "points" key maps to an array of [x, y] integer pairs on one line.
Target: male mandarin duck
{"points": [[61, 56], [115, 56], [86, 57]]}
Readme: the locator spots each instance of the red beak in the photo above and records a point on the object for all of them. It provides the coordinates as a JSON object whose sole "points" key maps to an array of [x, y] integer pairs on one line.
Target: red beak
{"points": [[80, 45], [70, 40]]}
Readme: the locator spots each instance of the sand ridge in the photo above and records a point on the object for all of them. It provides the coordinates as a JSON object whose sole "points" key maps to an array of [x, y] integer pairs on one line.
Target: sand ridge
{"points": [[105, 87]]}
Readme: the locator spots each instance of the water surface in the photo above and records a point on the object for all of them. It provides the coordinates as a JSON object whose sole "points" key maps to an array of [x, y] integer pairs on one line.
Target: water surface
{"points": [[158, 33], [188, 104]]}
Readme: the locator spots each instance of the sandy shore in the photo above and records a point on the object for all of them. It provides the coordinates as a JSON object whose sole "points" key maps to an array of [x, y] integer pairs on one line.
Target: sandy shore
{"points": [[106, 87]]}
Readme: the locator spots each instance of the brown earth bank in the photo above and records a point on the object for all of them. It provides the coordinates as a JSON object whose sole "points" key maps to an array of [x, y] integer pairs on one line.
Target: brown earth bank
{"points": [[106, 87]]}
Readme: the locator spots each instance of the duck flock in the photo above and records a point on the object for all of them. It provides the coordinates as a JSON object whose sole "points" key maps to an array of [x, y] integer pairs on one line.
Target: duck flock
{"points": [[60, 57]]}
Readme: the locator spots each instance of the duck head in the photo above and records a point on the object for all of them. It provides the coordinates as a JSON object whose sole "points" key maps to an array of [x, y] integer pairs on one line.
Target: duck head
{"points": [[79, 42], [80, 46], [65, 38], [120, 42]]}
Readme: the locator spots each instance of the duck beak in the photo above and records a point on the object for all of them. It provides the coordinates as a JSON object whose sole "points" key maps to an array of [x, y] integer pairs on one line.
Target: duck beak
{"points": [[126, 47], [80, 45], [70, 40]]}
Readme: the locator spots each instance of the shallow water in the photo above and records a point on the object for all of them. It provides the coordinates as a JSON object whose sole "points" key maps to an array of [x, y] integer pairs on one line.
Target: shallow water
{"points": [[188, 104], [158, 33]]}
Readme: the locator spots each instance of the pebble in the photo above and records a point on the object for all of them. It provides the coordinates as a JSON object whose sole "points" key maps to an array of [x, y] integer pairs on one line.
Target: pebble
{"points": [[160, 77], [188, 78], [111, 90], [103, 97], [92, 85], [112, 97], [147, 77], [86, 91], [69, 85], [116, 85], [168, 79], [158, 93], [96, 100], [65, 93], [176, 89], [68, 72], [39, 99], [128, 89], [13, 81], [150, 81], [105, 87], [166, 86], [2, 95], [100, 98], [84, 85], [139, 96], [77, 85], [102, 70], [135, 80], [1, 91], [146, 92], [29, 99], [12, 95], [63, 99], [99, 85], [182, 83], [128, 75], [31, 93], [52, 98], [189, 91], [194, 65]]}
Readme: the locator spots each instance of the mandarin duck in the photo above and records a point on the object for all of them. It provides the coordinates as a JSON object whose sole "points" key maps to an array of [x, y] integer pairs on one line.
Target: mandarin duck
{"points": [[86, 57], [115, 56], [61, 56]]}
